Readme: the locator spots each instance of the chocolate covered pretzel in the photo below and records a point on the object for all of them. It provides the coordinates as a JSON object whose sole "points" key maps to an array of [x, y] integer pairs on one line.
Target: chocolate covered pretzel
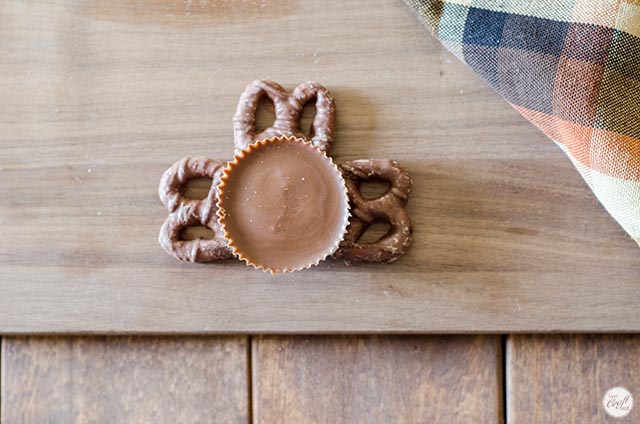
{"points": [[185, 212], [390, 207], [288, 111]]}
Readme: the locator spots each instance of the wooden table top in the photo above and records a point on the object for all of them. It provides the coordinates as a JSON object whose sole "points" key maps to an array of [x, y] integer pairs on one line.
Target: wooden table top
{"points": [[99, 99], [403, 379]]}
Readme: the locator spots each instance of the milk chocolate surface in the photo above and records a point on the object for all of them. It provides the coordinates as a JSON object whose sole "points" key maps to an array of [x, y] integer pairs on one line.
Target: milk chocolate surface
{"points": [[284, 205]]}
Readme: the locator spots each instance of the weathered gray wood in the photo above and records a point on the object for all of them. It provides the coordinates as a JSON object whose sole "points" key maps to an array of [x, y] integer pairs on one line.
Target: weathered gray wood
{"points": [[99, 99], [564, 378], [392, 379], [124, 380]]}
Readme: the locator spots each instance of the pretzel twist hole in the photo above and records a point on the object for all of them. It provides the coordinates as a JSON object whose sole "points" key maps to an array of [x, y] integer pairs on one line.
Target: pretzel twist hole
{"points": [[198, 250]]}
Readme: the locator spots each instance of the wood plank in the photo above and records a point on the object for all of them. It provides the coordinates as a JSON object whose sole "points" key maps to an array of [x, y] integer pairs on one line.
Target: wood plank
{"points": [[564, 378], [373, 379], [99, 99], [124, 379]]}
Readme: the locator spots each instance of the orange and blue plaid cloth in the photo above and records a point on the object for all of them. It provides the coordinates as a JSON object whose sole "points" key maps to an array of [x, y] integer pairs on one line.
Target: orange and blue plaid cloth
{"points": [[572, 67]]}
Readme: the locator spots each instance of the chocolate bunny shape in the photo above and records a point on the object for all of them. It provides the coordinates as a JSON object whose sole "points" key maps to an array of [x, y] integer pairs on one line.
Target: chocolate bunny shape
{"points": [[389, 207]]}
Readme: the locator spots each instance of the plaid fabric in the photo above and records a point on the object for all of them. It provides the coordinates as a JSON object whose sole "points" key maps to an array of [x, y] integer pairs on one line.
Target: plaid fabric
{"points": [[572, 67]]}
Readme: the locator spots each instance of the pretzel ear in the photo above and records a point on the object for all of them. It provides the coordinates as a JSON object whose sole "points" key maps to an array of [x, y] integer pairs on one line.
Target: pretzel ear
{"points": [[185, 212], [325, 120], [244, 121], [390, 207], [288, 109]]}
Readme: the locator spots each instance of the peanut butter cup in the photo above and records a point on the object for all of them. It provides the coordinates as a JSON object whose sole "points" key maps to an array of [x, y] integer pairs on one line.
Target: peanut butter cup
{"points": [[283, 205]]}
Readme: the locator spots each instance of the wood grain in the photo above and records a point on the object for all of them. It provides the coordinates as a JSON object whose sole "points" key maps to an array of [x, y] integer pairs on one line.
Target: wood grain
{"points": [[399, 379], [124, 380], [99, 99], [563, 378]]}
